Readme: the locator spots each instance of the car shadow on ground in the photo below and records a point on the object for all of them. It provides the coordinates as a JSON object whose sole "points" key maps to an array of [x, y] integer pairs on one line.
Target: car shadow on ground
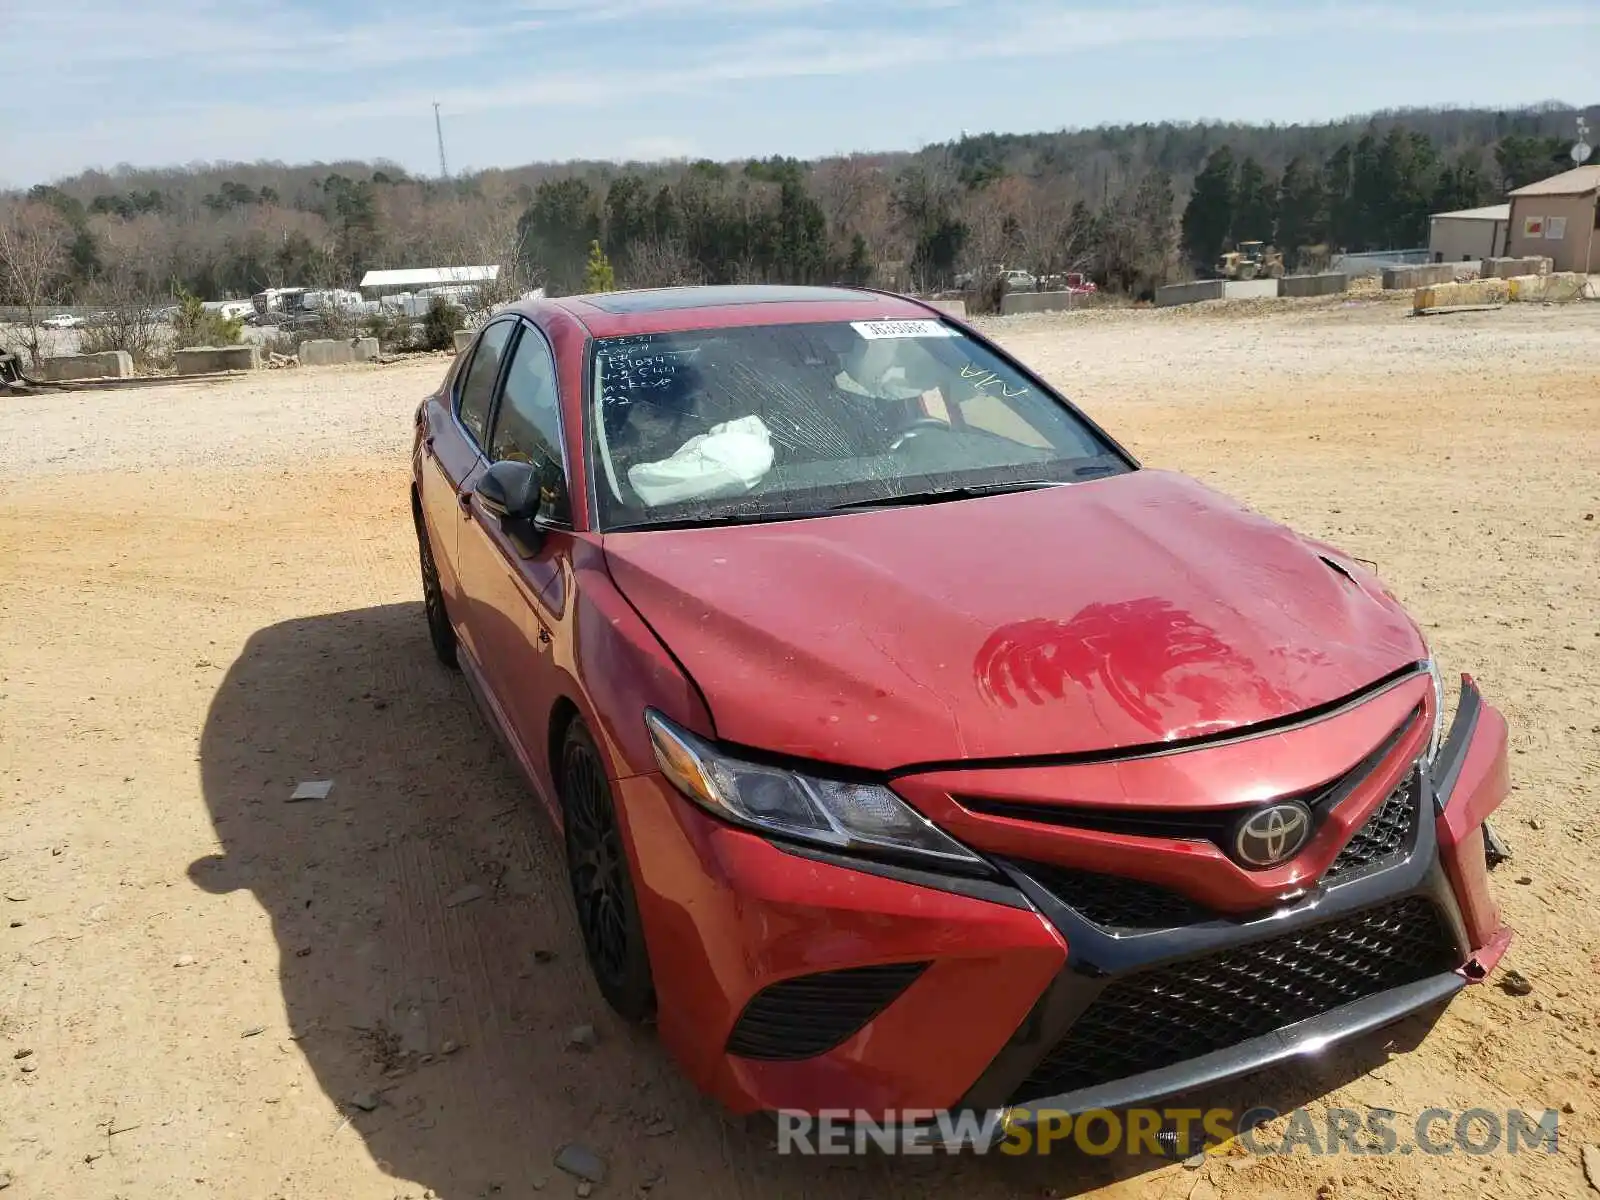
{"points": [[430, 963]]}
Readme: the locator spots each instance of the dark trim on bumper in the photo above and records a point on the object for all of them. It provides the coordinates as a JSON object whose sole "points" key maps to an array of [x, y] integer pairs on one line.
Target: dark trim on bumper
{"points": [[1304, 1037], [1097, 952], [992, 890], [1097, 957], [1249, 733], [1453, 754]]}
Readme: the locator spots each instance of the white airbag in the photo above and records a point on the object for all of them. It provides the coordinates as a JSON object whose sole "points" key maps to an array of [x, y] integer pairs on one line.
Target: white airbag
{"points": [[732, 458]]}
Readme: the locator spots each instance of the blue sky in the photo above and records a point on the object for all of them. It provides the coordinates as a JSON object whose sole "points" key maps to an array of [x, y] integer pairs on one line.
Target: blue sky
{"points": [[159, 82]]}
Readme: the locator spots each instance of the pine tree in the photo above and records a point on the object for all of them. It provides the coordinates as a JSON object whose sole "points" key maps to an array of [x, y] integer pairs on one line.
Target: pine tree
{"points": [[1209, 214], [1302, 207], [597, 274], [1255, 204], [1525, 160], [1463, 184]]}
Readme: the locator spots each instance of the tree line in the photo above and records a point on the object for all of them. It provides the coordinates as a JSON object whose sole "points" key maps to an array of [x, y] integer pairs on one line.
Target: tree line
{"points": [[1131, 206], [1374, 193]]}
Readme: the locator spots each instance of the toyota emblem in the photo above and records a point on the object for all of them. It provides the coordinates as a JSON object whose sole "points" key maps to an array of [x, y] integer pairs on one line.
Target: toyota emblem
{"points": [[1272, 835]]}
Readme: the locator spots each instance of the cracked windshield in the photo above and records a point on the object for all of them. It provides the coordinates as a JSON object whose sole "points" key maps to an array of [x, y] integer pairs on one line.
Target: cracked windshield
{"points": [[778, 421]]}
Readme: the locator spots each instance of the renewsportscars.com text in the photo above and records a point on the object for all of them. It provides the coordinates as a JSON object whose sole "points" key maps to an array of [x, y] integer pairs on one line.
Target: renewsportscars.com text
{"points": [[1171, 1131]]}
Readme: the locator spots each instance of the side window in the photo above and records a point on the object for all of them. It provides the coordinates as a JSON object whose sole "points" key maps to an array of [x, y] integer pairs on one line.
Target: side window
{"points": [[477, 384], [527, 424]]}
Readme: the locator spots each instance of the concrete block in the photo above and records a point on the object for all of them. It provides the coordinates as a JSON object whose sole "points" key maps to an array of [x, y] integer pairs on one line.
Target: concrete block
{"points": [[1510, 268], [1559, 287], [1250, 289], [1528, 289], [1404, 278], [112, 364], [1449, 295], [203, 360], [329, 352], [1400, 279], [956, 308], [1327, 283], [1189, 293], [463, 338], [1013, 303], [1563, 287]]}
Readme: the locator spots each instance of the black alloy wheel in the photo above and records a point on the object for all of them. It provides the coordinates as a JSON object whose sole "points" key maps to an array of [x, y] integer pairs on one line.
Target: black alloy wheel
{"points": [[602, 885], [440, 632]]}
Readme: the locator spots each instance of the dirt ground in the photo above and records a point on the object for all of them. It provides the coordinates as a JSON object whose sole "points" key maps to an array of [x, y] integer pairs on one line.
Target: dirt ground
{"points": [[208, 593]]}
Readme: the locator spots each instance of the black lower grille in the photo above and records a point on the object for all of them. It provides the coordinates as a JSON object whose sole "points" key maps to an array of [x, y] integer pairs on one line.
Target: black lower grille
{"points": [[1166, 1015], [1114, 902], [1386, 834], [810, 1015]]}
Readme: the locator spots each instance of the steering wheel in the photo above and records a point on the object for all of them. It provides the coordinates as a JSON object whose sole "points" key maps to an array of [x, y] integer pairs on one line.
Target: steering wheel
{"points": [[916, 427]]}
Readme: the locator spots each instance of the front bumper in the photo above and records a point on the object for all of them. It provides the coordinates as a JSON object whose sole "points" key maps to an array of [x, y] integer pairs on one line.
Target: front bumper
{"points": [[791, 979]]}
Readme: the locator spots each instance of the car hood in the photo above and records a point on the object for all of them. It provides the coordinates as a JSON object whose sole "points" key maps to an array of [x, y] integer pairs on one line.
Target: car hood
{"points": [[1128, 611]]}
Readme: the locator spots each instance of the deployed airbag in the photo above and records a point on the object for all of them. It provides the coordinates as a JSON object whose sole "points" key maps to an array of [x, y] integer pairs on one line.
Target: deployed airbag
{"points": [[731, 458]]}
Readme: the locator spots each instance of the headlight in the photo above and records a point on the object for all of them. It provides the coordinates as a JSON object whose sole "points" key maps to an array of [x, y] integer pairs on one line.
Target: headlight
{"points": [[1438, 710], [862, 817]]}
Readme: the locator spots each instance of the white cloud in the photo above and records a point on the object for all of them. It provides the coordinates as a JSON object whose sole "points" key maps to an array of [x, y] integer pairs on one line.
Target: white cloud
{"points": [[182, 78], [964, 48]]}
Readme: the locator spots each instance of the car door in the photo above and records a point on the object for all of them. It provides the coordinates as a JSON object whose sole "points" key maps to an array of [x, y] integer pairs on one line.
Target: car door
{"points": [[517, 592], [457, 425]]}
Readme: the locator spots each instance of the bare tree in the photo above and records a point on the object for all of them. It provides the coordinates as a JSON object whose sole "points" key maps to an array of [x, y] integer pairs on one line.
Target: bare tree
{"points": [[34, 245], [1042, 227], [661, 262], [130, 290], [130, 319], [845, 188], [137, 252], [994, 217], [988, 235]]}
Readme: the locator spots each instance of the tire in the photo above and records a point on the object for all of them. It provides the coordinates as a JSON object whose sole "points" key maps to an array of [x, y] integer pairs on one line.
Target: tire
{"points": [[602, 884], [1495, 851], [440, 632]]}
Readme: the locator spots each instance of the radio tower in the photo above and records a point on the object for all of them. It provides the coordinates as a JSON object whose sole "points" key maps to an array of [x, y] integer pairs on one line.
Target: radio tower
{"points": [[438, 127]]}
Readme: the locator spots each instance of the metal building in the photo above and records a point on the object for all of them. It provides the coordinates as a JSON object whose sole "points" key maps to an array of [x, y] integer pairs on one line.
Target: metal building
{"points": [[1558, 218], [1469, 233]]}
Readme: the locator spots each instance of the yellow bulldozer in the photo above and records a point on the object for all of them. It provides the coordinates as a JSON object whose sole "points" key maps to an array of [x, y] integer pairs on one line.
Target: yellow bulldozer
{"points": [[1252, 260]]}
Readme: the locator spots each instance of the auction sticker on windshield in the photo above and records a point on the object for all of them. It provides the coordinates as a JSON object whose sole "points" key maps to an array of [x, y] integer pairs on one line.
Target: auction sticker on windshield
{"points": [[902, 329]]}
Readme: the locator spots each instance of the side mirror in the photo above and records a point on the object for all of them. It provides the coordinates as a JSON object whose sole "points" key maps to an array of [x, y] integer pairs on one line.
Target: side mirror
{"points": [[510, 490]]}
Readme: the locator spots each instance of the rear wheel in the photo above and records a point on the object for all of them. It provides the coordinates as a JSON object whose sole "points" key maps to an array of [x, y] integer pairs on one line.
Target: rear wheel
{"points": [[440, 632], [602, 885]]}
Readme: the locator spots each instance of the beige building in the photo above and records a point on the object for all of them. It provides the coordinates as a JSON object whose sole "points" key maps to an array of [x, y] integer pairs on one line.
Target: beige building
{"points": [[1556, 218], [1470, 233]]}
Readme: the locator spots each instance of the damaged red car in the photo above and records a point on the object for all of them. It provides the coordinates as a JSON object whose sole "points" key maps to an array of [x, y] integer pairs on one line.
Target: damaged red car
{"points": [[912, 745]]}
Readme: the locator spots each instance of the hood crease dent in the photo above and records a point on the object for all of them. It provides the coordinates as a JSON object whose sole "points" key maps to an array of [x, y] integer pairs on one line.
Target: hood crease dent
{"points": [[1141, 609]]}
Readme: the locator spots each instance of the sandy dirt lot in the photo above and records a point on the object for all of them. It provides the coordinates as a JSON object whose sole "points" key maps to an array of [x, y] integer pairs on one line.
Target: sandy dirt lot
{"points": [[208, 593]]}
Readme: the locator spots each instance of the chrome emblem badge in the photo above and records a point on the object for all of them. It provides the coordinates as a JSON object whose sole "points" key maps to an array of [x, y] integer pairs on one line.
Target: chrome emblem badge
{"points": [[1273, 834]]}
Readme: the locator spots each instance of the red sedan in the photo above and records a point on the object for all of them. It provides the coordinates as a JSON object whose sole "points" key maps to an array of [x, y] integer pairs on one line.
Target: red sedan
{"points": [[914, 747]]}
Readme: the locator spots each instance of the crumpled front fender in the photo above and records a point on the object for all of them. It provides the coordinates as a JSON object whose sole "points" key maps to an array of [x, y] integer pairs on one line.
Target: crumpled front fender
{"points": [[1471, 779]]}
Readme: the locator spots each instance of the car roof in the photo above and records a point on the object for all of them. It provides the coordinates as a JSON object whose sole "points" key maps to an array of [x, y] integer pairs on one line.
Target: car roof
{"points": [[665, 310]]}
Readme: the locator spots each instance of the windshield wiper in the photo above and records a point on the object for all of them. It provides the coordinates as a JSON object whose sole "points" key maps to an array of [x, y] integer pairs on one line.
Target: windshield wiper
{"points": [[930, 496], [745, 518], [939, 495]]}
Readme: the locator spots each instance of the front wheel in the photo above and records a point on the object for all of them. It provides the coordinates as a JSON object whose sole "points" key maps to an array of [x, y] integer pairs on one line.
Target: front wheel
{"points": [[602, 885], [440, 632]]}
